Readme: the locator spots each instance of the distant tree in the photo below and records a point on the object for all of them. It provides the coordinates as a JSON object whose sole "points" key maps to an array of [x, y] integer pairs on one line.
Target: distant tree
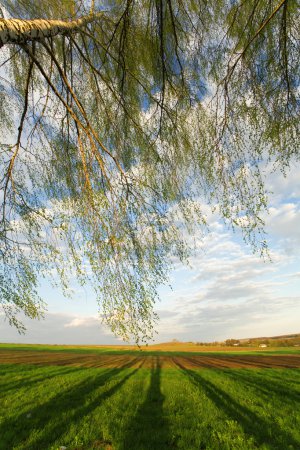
{"points": [[119, 119], [232, 342]]}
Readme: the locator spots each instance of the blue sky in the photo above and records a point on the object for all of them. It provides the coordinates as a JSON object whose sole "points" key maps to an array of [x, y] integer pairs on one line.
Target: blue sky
{"points": [[228, 292]]}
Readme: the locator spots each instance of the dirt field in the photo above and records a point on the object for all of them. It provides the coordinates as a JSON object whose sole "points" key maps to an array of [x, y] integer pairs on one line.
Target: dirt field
{"points": [[221, 361]]}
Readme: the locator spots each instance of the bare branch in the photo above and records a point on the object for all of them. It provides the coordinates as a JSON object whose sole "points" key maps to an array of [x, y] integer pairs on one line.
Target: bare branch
{"points": [[21, 31]]}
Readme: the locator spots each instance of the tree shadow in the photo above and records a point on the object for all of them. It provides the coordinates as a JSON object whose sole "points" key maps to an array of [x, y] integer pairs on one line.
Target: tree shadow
{"points": [[33, 380], [148, 429], [68, 407], [265, 387], [278, 384], [42, 372], [290, 375], [263, 431]]}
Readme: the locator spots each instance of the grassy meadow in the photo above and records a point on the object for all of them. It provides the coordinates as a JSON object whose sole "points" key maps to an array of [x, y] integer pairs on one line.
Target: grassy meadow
{"points": [[108, 398]]}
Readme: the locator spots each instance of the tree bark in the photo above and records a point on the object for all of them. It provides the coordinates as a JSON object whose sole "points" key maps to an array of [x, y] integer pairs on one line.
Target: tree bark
{"points": [[19, 31]]}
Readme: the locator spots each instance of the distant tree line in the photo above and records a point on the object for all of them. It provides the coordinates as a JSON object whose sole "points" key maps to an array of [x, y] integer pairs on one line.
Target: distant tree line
{"points": [[255, 342]]}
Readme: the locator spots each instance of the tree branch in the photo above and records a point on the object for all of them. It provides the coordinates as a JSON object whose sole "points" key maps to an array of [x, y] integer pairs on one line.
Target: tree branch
{"points": [[20, 31]]}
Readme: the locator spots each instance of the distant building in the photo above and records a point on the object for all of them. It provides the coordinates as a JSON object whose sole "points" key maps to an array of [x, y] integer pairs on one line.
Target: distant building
{"points": [[263, 345]]}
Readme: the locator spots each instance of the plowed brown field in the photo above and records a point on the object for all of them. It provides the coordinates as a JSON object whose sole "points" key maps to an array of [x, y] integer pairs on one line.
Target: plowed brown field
{"points": [[148, 361]]}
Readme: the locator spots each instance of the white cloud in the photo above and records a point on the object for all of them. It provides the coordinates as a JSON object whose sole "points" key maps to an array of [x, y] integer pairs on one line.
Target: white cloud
{"points": [[79, 322], [283, 221], [251, 317], [284, 187], [231, 292], [59, 328]]}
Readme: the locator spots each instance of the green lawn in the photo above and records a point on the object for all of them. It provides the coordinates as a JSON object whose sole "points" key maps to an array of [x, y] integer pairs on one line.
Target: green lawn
{"points": [[46, 407]]}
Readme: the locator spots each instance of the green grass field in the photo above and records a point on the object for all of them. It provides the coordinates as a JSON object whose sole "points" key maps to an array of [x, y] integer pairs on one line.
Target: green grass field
{"points": [[146, 404]]}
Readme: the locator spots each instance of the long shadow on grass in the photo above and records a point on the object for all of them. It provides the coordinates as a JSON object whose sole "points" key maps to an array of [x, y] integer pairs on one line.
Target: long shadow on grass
{"points": [[266, 387], [263, 432], [32, 380], [148, 429], [290, 376], [50, 420]]}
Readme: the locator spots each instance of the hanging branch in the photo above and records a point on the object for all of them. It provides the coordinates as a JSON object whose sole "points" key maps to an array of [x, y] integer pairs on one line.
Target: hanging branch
{"points": [[18, 143]]}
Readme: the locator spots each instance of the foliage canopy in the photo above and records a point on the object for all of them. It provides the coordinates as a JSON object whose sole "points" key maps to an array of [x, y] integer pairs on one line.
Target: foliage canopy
{"points": [[118, 119]]}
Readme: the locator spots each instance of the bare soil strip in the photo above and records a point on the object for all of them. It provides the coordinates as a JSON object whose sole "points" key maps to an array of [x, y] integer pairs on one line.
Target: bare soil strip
{"points": [[123, 361]]}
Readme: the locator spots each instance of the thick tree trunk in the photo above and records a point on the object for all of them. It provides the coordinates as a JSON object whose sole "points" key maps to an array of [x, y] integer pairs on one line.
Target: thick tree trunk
{"points": [[20, 31]]}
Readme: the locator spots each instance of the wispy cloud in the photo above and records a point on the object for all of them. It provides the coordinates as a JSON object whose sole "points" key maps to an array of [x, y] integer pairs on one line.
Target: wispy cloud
{"points": [[230, 292]]}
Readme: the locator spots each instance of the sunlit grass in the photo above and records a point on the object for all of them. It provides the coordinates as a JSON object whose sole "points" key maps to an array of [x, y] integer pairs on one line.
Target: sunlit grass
{"points": [[138, 408]]}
